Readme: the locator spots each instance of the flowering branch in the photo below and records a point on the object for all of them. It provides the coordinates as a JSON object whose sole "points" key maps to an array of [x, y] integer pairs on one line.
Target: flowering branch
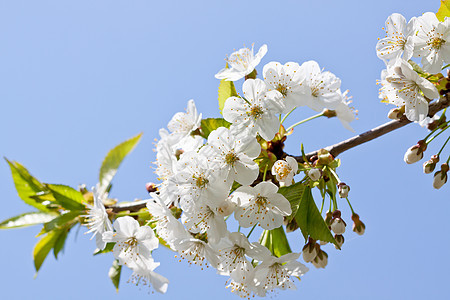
{"points": [[376, 132]]}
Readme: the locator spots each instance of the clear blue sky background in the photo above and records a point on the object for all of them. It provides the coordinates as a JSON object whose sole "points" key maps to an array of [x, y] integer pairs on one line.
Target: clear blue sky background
{"points": [[79, 77]]}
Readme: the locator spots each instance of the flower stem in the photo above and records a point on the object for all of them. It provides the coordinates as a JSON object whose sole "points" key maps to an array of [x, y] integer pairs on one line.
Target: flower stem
{"points": [[284, 118], [434, 130], [304, 121], [253, 228], [443, 146], [348, 201], [432, 138], [265, 171]]}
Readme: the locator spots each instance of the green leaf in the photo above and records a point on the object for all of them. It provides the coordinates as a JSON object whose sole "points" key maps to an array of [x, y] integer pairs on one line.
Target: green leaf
{"points": [[114, 158], [28, 219], [60, 241], [211, 124], [67, 197], [114, 274], [108, 248], [226, 90], [276, 241], [294, 195], [310, 220], [444, 10], [26, 185], [61, 221], [43, 247]]}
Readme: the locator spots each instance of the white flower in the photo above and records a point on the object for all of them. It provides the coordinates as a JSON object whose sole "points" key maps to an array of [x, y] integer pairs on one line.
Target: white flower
{"points": [[256, 114], [167, 227], [284, 170], [232, 252], [242, 63], [432, 42], [277, 272], [146, 276], [97, 220], [184, 123], [234, 155], [402, 86], [202, 218], [196, 180], [321, 88], [197, 252], [134, 243], [226, 207], [399, 39], [288, 80], [261, 204], [344, 112]]}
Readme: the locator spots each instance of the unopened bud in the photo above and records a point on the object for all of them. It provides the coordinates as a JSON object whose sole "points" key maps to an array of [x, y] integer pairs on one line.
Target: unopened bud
{"points": [[395, 114], [315, 174], [339, 240], [325, 157], [440, 177], [321, 260], [415, 153], [338, 226], [343, 190], [226, 207], [328, 218], [309, 251], [178, 153], [358, 225], [329, 113], [430, 165], [151, 187]]}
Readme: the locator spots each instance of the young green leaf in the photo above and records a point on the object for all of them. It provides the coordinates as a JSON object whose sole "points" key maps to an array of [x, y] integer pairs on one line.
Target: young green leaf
{"points": [[67, 197], [310, 220], [114, 158], [294, 195], [276, 241], [43, 247], [226, 90], [60, 241], [61, 221], [114, 274], [210, 124], [26, 185], [444, 10], [28, 219]]}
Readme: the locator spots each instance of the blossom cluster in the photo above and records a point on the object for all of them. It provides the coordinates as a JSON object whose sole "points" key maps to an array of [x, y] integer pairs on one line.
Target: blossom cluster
{"points": [[206, 178], [404, 83]]}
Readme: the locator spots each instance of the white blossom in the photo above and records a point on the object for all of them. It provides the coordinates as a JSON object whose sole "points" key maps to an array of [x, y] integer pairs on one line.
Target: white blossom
{"points": [[432, 42], [255, 114], [277, 272], [288, 80], [321, 88], [134, 243], [261, 204], [184, 123], [344, 112], [145, 275], [197, 252], [402, 86], [399, 41], [97, 219], [285, 170], [242, 63]]}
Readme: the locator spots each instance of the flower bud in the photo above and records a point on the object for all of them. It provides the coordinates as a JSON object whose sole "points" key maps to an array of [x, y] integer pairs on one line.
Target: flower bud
{"points": [[324, 157], [226, 207], [358, 225], [430, 165], [338, 226], [315, 174], [395, 114], [323, 243], [415, 153], [343, 190], [328, 218], [339, 240], [440, 177], [151, 187], [321, 260], [309, 251]]}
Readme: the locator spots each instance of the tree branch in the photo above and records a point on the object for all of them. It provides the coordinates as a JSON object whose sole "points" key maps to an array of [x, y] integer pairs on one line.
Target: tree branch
{"points": [[362, 138], [335, 149]]}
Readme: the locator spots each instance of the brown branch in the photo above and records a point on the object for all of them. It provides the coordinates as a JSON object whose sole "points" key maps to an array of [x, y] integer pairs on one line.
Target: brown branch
{"points": [[335, 149], [376, 132]]}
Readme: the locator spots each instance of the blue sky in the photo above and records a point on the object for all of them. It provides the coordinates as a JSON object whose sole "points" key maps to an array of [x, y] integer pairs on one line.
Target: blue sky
{"points": [[80, 77]]}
